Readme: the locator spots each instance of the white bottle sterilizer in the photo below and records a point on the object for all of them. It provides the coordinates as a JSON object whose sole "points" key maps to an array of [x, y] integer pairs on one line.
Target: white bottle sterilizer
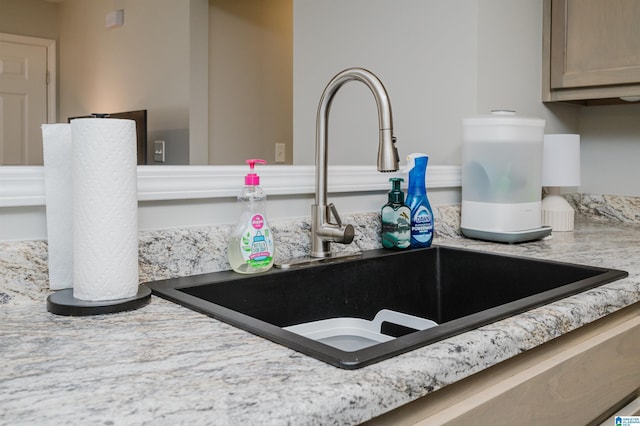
{"points": [[502, 177]]}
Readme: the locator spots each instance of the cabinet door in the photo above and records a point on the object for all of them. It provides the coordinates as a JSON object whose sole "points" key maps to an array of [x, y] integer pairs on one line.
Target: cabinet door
{"points": [[600, 42], [593, 48]]}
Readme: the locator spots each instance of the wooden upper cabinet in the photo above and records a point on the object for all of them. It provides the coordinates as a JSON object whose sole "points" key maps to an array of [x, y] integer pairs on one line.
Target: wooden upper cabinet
{"points": [[591, 50]]}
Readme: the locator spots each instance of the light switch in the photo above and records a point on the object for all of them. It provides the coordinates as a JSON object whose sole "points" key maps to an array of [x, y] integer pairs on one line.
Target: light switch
{"points": [[158, 151], [114, 18], [280, 153]]}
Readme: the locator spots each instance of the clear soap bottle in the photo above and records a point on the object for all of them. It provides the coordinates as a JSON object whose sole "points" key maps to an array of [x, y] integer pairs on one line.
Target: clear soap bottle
{"points": [[251, 246]]}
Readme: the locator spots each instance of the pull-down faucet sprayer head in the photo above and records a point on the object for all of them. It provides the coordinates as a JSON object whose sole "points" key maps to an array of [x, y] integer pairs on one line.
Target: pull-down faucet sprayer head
{"points": [[388, 158]]}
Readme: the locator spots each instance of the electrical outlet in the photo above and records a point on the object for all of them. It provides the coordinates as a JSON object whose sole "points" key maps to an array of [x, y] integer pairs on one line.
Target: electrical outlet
{"points": [[280, 153], [158, 151]]}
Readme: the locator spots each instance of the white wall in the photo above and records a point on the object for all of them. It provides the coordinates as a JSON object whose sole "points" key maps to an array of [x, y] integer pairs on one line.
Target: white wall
{"points": [[610, 149], [440, 62], [510, 63], [425, 53], [509, 57], [443, 61]]}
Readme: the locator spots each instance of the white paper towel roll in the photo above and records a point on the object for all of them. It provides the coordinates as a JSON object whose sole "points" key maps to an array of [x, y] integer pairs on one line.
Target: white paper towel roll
{"points": [[105, 209], [56, 139], [561, 160]]}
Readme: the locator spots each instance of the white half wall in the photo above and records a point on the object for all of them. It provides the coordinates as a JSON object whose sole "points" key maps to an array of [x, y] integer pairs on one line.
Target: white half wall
{"points": [[176, 196]]}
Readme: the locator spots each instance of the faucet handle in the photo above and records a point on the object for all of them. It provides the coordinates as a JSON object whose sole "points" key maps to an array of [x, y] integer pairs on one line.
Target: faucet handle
{"points": [[324, 231], [335, 214], [347, 231]]}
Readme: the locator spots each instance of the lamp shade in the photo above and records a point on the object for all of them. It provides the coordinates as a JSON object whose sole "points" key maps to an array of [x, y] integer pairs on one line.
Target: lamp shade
{"points": [[561, 160]]}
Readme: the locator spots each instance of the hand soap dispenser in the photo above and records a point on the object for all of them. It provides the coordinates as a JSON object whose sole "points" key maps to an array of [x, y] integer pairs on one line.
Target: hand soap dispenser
{"points": [[396, 218], [251, 247]]}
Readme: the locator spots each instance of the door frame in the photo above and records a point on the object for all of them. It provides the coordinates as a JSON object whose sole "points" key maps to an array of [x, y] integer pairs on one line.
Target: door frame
{"points": [[52, 78]]}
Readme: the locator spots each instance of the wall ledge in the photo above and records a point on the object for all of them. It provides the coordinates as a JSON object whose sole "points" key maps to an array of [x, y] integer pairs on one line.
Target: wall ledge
{"points": [[24, 185]]}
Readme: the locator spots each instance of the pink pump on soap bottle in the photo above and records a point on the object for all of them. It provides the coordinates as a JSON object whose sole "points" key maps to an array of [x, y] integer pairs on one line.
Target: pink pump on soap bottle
{"points": [[251, 246]]}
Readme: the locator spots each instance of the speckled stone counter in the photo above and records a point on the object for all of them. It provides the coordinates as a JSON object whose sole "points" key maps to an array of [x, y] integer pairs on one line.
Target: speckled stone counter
{"points": [[170, 253], [165, 364]]}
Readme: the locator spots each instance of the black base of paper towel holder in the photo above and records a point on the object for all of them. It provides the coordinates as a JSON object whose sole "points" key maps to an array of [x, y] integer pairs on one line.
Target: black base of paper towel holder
{"points": [[62, 302]]}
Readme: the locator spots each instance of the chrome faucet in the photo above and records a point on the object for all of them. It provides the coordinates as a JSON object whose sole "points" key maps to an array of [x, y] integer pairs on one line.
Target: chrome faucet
{"points": [[323, 230]]}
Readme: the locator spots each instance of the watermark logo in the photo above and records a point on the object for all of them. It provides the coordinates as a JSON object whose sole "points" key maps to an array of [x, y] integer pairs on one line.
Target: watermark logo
{"points": [[627, 420]]}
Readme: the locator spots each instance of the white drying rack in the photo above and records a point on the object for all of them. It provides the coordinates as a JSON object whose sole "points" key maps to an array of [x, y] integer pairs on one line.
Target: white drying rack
{"points": [[352, 334]]}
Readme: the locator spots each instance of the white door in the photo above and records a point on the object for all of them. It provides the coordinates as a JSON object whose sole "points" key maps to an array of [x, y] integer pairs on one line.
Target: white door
{"points": [[23, 102]]}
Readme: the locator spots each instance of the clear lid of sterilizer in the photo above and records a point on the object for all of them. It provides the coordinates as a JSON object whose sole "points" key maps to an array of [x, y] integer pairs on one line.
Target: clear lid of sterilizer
{"points": [[503, 117]]}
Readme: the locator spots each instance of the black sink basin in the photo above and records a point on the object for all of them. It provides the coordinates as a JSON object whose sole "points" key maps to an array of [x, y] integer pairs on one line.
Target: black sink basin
{"points": [[458, 289]]}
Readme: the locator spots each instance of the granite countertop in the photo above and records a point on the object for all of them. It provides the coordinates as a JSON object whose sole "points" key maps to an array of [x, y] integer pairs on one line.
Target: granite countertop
{"points": [[165, 364]]}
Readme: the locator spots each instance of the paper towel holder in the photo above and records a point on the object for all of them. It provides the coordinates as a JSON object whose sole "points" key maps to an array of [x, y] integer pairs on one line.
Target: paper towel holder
{"points": [[62, 302], [139, 116]]}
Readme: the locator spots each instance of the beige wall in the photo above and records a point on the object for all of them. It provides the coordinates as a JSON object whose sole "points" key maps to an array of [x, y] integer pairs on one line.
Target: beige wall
{"points": [[159, 61], [153, 62], [250, 77], [141, 65], [34, 18]]}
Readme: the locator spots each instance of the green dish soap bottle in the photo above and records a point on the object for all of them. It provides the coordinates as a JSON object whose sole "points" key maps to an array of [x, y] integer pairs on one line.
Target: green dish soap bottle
{"points": [[421, 213], [396, 219], [251, 246]]}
